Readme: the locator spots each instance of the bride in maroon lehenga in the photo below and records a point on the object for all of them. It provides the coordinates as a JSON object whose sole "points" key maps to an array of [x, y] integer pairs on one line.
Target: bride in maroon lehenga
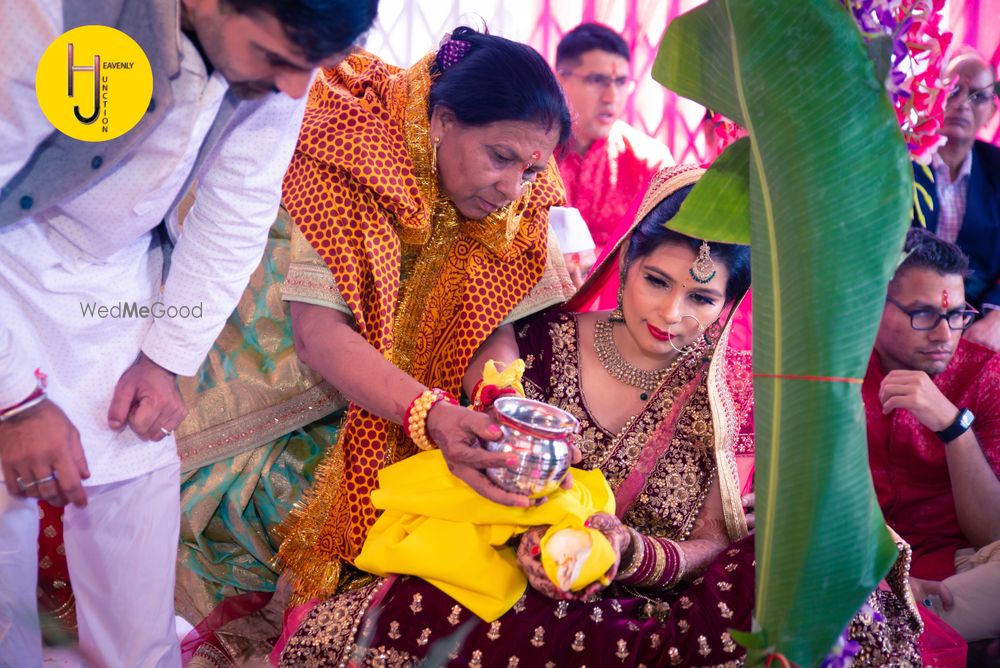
{"points": [[666, 409]]}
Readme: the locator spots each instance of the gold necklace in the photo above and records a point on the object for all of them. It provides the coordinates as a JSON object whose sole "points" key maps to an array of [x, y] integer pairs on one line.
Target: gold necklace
{"points": [[621, 369]]}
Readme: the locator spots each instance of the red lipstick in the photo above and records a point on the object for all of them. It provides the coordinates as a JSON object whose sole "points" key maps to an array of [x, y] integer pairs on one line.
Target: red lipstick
{"points": [[659, 334]]}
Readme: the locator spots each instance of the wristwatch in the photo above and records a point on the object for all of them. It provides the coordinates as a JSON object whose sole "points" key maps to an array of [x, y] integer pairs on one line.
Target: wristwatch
{"points": [[962, 422]]}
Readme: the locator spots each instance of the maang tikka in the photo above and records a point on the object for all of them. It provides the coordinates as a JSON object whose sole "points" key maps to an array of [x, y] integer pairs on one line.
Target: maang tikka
{"points": [[703, 270]]}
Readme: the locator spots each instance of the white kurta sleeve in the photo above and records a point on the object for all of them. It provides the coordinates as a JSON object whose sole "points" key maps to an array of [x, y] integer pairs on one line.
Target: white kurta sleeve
{"points": [[223, 236], [17, 372], [25, 30]]}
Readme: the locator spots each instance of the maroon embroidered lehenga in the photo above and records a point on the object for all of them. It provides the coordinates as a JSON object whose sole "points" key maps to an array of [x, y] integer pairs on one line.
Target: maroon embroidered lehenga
{"points": [[660, 466]]}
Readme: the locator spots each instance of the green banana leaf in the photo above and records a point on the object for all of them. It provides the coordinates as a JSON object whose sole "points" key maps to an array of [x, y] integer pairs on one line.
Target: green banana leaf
{"points": [[825, 188]]}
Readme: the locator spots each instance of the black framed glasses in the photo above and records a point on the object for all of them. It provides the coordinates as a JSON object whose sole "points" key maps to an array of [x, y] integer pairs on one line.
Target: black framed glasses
{"points": [[977, 97], [924, 319], [603, 81]]}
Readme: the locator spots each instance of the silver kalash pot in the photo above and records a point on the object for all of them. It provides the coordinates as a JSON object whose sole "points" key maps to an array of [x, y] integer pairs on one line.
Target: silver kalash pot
{"points": [[539, 435]]}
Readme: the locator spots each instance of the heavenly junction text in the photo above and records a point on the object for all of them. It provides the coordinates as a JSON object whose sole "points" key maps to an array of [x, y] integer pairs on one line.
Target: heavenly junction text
{"points": [[123, 310]]}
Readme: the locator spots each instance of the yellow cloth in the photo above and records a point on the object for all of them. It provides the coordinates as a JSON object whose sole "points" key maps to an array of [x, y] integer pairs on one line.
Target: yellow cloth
{"points": [[509, 377], [436, 527]]}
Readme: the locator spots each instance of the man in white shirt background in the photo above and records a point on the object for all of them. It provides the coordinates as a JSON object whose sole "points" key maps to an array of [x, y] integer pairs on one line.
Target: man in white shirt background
{"points": [[80, 229]]}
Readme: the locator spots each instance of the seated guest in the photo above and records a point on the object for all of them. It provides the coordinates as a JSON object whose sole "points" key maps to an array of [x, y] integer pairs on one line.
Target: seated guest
{"points": [[965, 192], [932, 401], [646, 381], [609, 163]]}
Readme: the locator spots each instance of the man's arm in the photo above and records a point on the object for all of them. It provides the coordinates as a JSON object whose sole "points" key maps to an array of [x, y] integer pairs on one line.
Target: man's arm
{"points": [[225, 231], [26, 29], [975, 480], [974, 463]]}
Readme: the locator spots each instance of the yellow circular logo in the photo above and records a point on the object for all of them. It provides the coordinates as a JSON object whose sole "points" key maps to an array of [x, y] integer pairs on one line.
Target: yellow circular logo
{"points": [[94, 83]]}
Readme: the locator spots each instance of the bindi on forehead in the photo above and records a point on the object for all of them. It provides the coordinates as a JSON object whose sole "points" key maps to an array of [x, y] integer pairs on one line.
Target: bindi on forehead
{"points": [[944, 299]]}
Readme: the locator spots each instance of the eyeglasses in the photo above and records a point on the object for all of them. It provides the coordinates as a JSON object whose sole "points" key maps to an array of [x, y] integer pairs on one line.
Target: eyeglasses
{"points": [[923, 319], [977, 97], [603, 81]]}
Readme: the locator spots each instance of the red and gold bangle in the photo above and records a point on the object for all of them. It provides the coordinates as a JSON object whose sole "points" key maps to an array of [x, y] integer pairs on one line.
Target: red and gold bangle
{"points": [[672, 545], [415, 417], [485, 395]]}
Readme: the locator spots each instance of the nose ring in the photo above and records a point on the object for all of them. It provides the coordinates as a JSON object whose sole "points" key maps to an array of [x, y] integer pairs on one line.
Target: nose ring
{"points": [[701, 328]]}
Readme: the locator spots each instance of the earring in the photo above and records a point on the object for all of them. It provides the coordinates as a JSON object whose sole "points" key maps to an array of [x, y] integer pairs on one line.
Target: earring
{"points": [[434, 155], [713, 333], [618, 315]]}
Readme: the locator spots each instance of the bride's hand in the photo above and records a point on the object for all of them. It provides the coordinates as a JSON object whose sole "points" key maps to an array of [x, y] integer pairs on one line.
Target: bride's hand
{"points": [[620, 539], [457, 432], [529, 556]]}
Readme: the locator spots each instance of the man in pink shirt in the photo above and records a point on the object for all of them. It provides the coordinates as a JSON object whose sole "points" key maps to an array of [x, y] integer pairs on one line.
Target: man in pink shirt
{"points": [[609, 163], [932, 405]]}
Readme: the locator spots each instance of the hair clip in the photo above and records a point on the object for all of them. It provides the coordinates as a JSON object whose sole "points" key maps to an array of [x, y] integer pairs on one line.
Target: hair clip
{"points": [[452, 52], [703, 270]]}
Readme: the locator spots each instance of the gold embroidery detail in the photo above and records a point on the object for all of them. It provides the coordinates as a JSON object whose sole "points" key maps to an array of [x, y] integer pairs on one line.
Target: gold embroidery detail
{"points": [[703, 647], [733, 552], [724, 586], [453, 618], [578, 641], [615, 605], [655, 640], [513, 662], [394, 631], [477, 659], [50, 531], [676, 487], [727, 642], [425, 636], [675, 656], [731, 567], [520, 605], [45, 562], [494, 632], [418, 603], [725, 611], [538, 639], [683, 625], [685, 602], [622, 652], [597, 615], [561, 608]]}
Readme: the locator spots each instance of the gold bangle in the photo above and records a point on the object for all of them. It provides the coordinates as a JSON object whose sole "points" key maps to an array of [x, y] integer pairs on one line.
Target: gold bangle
{"points": [[415, 421], [638, 554]]}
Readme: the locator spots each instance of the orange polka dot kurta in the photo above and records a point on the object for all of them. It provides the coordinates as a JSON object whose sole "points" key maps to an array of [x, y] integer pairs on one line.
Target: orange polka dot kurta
{"points": [[361, 189]]}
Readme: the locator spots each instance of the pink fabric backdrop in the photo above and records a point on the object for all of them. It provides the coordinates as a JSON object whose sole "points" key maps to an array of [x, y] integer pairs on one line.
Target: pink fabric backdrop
{"points": [[676, 121]]}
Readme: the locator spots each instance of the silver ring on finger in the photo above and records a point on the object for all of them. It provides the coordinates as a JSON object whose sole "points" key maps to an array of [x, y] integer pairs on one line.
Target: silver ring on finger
{"points": [[25, 486], [166, 432], [47, 478]]}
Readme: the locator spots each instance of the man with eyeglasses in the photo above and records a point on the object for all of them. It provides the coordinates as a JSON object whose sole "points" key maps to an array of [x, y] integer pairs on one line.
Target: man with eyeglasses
{"points": [[966, 188], [932, 406], [609, 162]]}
